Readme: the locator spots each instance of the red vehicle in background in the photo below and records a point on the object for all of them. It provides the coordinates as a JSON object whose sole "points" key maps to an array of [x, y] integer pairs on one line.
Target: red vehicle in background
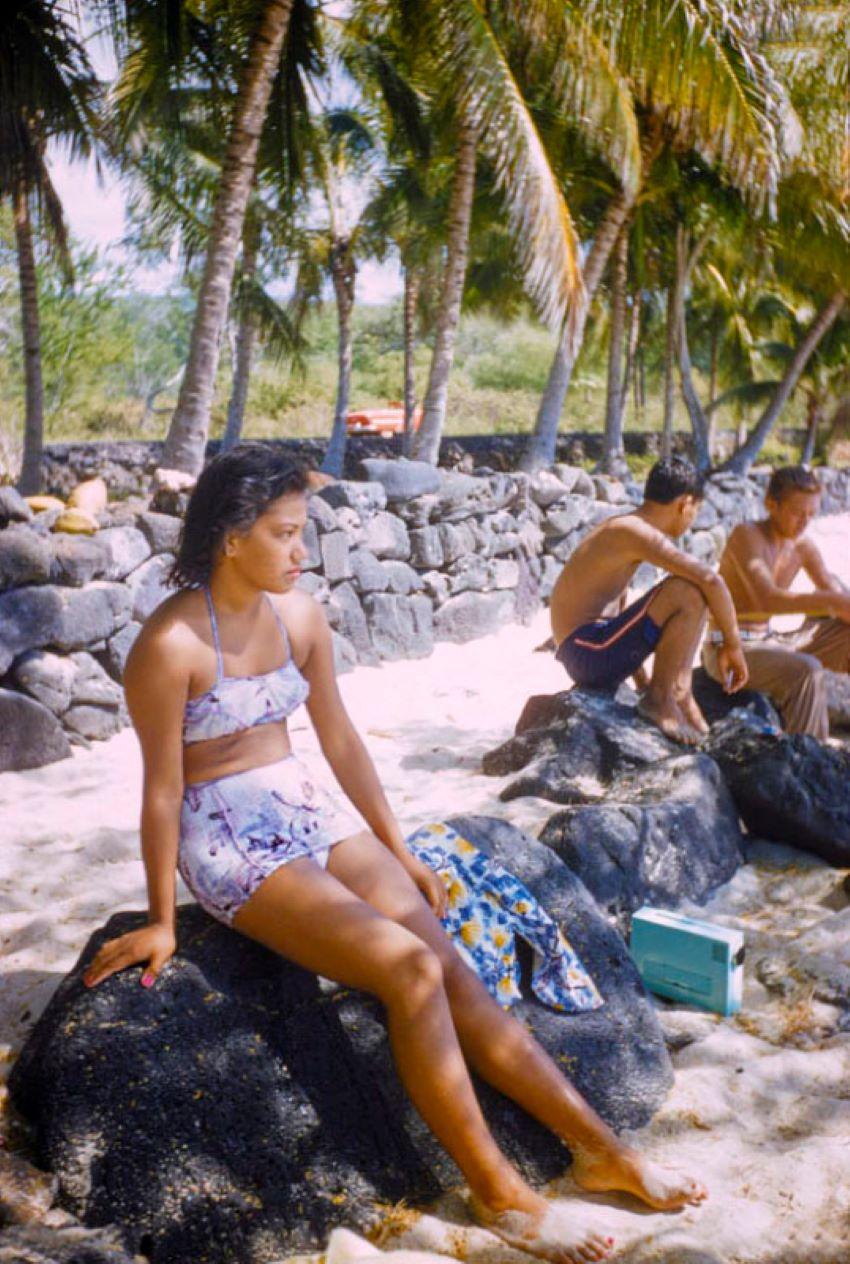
{"points": [[385, 422]]}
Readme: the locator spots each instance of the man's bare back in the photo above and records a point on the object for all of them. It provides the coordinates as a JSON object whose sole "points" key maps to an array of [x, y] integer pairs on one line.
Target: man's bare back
{"points": [[598, 573], [600, 647]]}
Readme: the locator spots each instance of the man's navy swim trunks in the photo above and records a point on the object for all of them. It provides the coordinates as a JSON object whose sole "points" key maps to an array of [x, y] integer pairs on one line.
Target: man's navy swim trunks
{"points": [[603, 653]]}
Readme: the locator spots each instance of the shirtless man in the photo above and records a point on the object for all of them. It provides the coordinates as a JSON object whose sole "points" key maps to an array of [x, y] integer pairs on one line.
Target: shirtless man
{"points": [[600, 650], [758, 564]]}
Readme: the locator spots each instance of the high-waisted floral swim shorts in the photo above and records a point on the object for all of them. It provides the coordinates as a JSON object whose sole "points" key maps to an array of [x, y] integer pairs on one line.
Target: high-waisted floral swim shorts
{"points": [[237, 830]]}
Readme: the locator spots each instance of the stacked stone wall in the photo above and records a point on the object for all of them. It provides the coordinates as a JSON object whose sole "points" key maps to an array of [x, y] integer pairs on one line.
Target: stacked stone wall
{"points": [[402, 557]]}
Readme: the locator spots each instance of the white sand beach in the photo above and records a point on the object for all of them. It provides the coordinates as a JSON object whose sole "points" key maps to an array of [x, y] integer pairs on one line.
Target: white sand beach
{"points": [[760, 1110]]}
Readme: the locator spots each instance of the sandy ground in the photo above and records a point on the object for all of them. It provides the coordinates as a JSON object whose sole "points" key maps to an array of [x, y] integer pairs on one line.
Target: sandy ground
{"points": [[761, 1105]]}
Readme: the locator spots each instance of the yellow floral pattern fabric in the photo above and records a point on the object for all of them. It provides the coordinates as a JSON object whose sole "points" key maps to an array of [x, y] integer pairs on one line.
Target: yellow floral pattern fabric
{"points": [[487, 908]]}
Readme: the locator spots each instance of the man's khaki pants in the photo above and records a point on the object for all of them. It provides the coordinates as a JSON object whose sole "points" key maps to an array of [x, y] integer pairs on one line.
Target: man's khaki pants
{"points": [[792, 677]]}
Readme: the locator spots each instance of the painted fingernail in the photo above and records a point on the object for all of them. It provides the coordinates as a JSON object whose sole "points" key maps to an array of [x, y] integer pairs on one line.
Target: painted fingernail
{"points": [[147, 980]]}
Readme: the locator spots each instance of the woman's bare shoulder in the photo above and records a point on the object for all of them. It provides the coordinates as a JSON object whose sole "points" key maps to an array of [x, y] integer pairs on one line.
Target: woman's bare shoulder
{"points": [[299, 611], [172, 632]]}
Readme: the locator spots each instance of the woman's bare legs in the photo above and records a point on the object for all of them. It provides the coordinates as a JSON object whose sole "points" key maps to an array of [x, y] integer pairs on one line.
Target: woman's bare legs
{"points": [[500, 1049], [313, 919]]}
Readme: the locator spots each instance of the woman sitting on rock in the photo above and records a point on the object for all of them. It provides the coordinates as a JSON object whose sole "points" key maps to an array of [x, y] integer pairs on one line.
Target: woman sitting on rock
{"points": [[210, 683]]}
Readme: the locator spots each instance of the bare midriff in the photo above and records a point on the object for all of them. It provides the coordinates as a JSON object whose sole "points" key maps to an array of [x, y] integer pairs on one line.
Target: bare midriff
{"points": [[237, 752]]}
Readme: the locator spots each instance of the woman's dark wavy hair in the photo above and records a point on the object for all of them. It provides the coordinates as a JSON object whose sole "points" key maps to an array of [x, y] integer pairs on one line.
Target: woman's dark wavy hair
{"points": [[230, 495]]}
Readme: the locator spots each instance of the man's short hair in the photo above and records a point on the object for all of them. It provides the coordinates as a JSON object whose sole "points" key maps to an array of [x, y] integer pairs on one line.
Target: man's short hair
{"points": [[672, 477], [792, 478]]}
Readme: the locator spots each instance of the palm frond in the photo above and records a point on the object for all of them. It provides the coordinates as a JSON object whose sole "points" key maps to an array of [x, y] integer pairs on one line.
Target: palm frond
{"points": [[490, 99], [693, 68], [583, 83]]}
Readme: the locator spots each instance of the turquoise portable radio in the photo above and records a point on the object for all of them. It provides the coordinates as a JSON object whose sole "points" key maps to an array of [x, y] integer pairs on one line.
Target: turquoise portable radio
{"points": [[686, 959]]}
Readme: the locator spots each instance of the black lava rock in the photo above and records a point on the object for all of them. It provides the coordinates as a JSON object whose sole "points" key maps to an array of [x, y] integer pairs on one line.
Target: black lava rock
{"points": [[30, 735], [667, 834], [788, 788], [716, 704], [241, 1107]]}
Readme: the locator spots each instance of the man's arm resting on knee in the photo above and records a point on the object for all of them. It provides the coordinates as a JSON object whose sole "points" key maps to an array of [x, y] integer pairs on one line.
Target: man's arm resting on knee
{"points": [[657, 549]]}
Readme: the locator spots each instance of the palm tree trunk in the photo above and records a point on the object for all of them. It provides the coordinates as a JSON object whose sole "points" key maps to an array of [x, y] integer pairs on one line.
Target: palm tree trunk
{"points": [[740, 461], [187, 435], [613, 456], [246, 338], [411, 296], [669, 371], [542, 442], [426, 445], [712, 386], [30, 479], [813, 416], [685, 265], [630, 374], [343, 273]]}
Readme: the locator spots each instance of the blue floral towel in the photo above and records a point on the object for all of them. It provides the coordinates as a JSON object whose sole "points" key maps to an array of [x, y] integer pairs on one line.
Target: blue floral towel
{"points": [[489, 906]]}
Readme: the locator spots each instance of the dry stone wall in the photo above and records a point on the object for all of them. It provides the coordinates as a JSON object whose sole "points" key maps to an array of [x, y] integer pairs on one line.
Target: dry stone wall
{"points": [[402, 557]]}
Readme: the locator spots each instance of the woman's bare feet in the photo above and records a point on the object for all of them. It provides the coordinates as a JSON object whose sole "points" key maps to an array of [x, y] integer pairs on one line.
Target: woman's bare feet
{"points": [[660, 1187], [667, 716], [546, 1230]]}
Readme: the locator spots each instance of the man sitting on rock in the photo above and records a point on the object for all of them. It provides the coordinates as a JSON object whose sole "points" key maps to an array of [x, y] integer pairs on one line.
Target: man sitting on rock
{"points": [[601, 640], [759, 564]]}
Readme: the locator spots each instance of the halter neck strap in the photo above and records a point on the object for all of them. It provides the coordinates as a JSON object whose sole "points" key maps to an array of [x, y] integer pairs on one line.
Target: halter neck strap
{"points": [[216, 641], [282, 626]]}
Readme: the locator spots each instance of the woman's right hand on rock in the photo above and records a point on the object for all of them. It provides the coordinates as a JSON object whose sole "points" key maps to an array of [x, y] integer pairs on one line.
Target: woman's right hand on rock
{"points": [[152, 945]]}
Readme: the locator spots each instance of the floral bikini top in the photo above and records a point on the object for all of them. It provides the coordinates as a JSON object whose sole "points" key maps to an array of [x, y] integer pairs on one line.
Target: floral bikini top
{"points": [[237, 703]]}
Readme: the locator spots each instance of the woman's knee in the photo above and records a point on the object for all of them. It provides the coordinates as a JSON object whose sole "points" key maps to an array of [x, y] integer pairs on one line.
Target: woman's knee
{"points": [[414, 974]]}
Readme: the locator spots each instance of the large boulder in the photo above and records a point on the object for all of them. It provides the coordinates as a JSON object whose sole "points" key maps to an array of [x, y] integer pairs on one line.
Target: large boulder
{"points": [[148, 585], [646, 823], [30, 735], [667, 834], [473, 614], [365, 498], [788, 788], [126, 548], [118, 647], [162, 531], [47, 677], [401, 479], [571, 745], [335, 554], [387, 537], [241, 1107], [13, 507], [400, 627], [25, 557], [716, 704], [65, 618], [78, 559], [345, 615]]}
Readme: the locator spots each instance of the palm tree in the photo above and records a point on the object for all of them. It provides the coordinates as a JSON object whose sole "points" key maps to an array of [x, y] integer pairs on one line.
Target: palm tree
{"points": [[479, 61], [613, 455], [170, 120], [808, 42], [162, 43], [48, 92], [695, 82]]}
